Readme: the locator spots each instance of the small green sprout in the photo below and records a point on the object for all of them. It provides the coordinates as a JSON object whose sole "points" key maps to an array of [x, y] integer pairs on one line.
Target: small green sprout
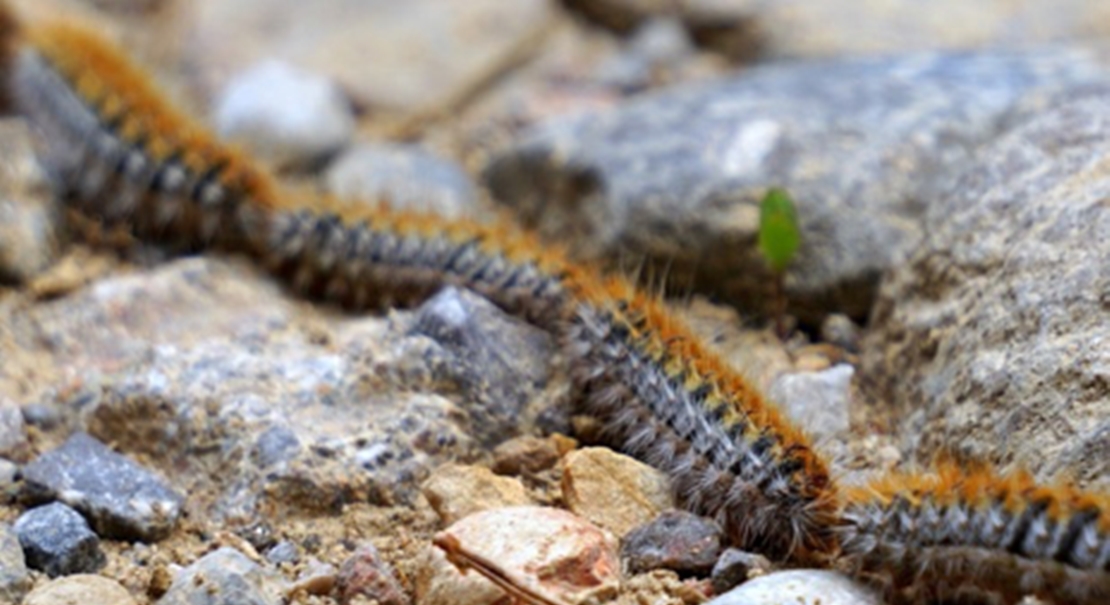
{"points": [[779, 239]]}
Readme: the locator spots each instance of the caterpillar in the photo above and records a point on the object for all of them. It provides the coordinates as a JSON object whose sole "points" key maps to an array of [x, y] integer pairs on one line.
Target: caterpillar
{"points": [[120, 153], [977, 537]]}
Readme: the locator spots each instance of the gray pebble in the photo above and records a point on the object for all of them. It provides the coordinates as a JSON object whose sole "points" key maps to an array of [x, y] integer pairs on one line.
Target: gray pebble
{"points": [[57, 540], [224, 577], [13, 434], [676, 540], [735, 567], [405, 176], [277, 444], [291, 117], [14, 581], [818, 401], [283, 552], [122, 499]]}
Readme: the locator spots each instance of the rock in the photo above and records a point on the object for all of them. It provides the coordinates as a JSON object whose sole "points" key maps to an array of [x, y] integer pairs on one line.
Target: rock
{"points": [[992, 337], [657, 52], [316, 578], [676, 540], [797, 28], [613, 490], [224, 577], [288, 116], [818, 402], [397, 55], [500, 359], [14, 579], [57, 540], [283, 552], [80, 589], [13, 433], [735, 567], [546, 550], [29, 221], [365, 574], [122, 499], [800, 587], [405, 177], [839, 330], [528, 454], [456, 491], [861, 145]]}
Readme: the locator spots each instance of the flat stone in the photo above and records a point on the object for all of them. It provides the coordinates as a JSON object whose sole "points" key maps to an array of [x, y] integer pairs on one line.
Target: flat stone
{"points": [[80, 589], [818, 402], [288, 116], [57, 540], [456, 491], [29, 220], [801, 587], [365, 574], [991, 339], [405, 177], [14, 579], [397, 55], [122, 499], [676, 540], [612, 490], [862, 146], [224, 577], [547, 550]]}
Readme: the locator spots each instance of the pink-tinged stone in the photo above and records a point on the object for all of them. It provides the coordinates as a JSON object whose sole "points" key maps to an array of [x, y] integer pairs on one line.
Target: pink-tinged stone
{"points": [[547, 553]]}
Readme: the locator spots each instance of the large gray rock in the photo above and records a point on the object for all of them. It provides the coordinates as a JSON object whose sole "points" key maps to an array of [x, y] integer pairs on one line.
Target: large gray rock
{"points": [[992, 339], [224, 577], [862, 145]]}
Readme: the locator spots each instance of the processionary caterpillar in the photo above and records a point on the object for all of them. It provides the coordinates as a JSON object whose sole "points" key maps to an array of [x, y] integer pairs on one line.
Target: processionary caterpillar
{"points": [[120, 153]]}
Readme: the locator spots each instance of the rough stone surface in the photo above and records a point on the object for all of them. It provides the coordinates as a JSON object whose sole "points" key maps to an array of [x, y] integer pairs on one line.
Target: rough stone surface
{"points": [[734, 567], [365, 574], [613, 490], [547, 550], [992, 339], [393, 54], [28, 217], [122, 499], [834, 28], [285, 115], [404, 176], [57, 540], [676, 540], [14, 580], [455, 491], [862, 146], [816, 401], [799, 587], [80, 589], [203, 363], [528, 454], [224, 577]]}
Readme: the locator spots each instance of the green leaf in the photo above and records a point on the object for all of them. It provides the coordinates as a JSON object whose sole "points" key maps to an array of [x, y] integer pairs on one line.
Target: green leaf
{"points": [[778, 229]]}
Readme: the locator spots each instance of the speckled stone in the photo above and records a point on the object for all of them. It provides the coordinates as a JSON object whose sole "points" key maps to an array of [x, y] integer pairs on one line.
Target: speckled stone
{"points": [[862, 145], [736, 566], [224, 577], [57, 540], [14, 579], [992, 339], [364, 574], [676, 540], [122, 499]]}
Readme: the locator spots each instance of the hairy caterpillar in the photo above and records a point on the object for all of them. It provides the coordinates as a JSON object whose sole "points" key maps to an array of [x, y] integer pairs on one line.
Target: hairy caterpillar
{"points": [[976, 537], [122, 154]]}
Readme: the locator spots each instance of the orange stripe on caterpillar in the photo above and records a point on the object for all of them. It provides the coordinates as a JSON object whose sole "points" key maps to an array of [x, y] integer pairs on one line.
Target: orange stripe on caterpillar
{"points": [[120, 149], [979, 537]]}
